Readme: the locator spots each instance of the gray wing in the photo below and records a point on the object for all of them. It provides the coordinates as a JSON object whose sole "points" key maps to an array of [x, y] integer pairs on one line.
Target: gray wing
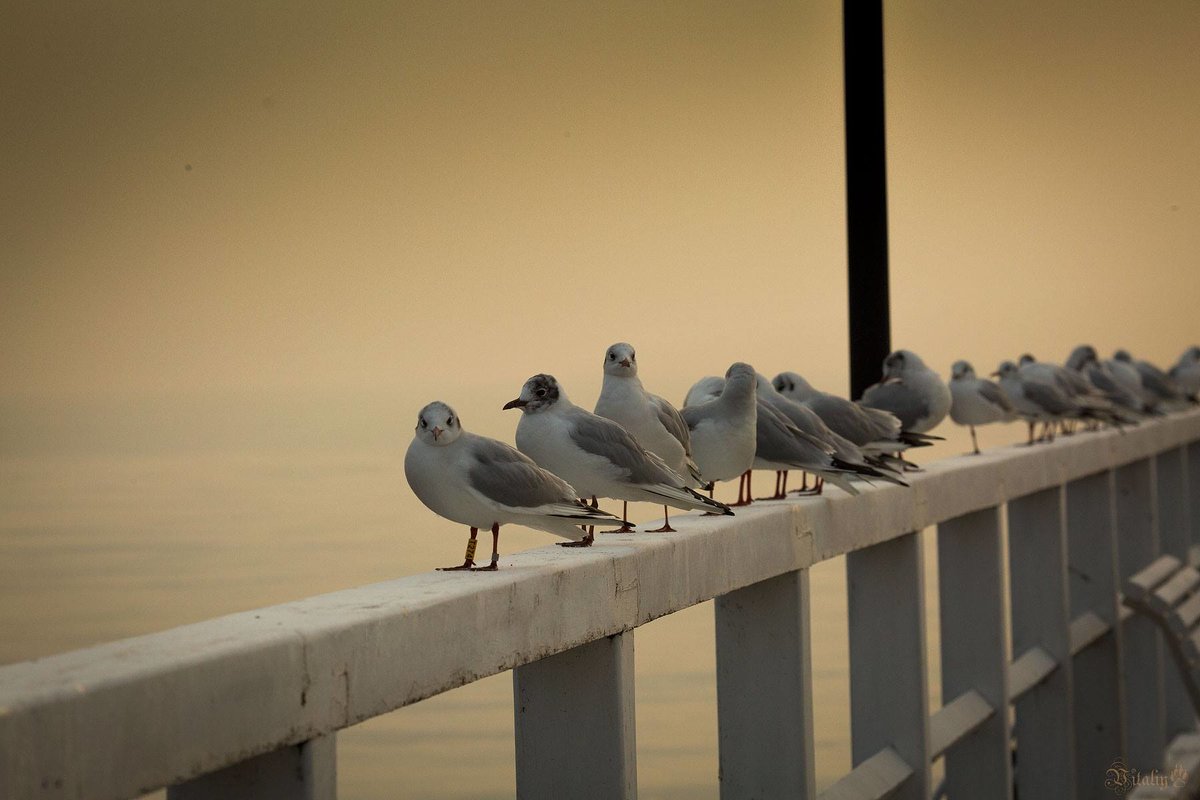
{"points": [[995, 395], [897, 398], [1048, 397], [782, 442], [845, 419], [511, 478], [669, 416], [1156, 380], [603, 437]]}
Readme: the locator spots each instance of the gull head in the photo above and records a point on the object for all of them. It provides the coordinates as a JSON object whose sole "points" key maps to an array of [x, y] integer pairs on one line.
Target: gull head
{"points": [[1192, 354], [741, 371], [1007, 369], [620, 360], [538, 394], [1082, 356], [1123, 355], [793, 385], [962, 370], [438, 425], [899, 362]]}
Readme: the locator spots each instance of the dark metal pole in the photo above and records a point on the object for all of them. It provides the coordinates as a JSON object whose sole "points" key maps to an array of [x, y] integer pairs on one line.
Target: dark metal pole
{"points": [[866, 191]]}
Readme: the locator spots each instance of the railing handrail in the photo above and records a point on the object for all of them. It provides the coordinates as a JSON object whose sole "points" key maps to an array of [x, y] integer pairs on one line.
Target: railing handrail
{"points": [[131, 716]]}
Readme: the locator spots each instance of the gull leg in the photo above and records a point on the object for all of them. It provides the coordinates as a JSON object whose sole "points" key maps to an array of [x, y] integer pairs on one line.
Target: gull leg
{"points": [[744, 485], [666, 528], [1031, 424], [586, 541], [778, 480], [494, 565], [469, 560], [974, 442], [625, 526], [819, 485]]}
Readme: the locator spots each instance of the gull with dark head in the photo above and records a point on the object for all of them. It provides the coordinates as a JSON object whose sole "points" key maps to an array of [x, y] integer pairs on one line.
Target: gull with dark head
{"points": [[873, 430], [596, 455], [482, 483], [912, 391]]}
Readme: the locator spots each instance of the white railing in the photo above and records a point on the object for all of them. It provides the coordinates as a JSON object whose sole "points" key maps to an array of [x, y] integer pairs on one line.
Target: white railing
{"points": [[247, 705]]}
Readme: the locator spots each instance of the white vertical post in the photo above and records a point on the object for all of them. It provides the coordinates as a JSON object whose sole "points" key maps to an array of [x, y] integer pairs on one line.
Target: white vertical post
{"points": [[974, 656], [1091, 548], [889, 683], [307, 771], [1141, 644], [1037, 550], [1174, 538], [764, 690], [575, 723]]}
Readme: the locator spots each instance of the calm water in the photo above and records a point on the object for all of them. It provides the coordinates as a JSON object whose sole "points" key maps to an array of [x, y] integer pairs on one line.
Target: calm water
{"points": [[114, 541]]}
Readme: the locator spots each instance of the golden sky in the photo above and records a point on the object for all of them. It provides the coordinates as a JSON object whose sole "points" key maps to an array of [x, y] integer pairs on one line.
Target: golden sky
{"points": [[421, 198]]}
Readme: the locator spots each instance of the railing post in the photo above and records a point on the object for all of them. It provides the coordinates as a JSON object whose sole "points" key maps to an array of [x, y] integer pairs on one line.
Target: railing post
{"points": [[307, 771], [1037, 551], [974, 656], [1174, 536], [764, 690], [575, 723], [1141, 644], [889, 683], [1092, 553]]}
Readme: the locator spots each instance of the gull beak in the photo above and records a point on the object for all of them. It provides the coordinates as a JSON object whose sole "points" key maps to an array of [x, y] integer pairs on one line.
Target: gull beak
{"points": [[624, 362], [436, 432], [995, 374], [518, 403]]}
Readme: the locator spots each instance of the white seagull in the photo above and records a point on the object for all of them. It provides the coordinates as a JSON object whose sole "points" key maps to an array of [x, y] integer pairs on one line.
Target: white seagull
{"points": [[910, 390], [723, 430], [596, 455], [483, 483], [654, 422], [977, 401]]}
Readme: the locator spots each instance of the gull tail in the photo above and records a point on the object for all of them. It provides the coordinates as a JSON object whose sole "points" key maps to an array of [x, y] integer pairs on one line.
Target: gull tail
{"points": [[867, 471], [687, 498]]}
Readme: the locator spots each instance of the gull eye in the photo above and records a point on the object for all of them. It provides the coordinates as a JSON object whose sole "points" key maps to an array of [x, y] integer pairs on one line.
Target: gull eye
{"points": [[541, 392], [424, 424], [612, 356], [449, 420]]}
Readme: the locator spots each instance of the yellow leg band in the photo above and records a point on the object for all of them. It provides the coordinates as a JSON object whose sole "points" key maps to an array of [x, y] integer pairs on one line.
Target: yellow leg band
{"points": [[471, 549]]}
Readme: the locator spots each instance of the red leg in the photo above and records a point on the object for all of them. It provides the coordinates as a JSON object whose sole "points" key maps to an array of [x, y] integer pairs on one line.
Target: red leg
{"points": [[494, 565], [666, 528]]}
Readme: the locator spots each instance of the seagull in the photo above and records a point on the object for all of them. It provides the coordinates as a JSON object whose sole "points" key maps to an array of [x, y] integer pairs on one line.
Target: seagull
{"points": [[1035, 399], [781, 445], [1186, 372], [654, 422], [977, 401], [1086, 362], [873, 430], [482, 483], [596, 455], [1156, 382], [1126, 374], [848, 454], [910, 390], [723, 430]]}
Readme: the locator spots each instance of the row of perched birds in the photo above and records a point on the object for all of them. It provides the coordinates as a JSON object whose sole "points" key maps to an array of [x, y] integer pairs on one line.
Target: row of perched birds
{"points": [[636, 446]]}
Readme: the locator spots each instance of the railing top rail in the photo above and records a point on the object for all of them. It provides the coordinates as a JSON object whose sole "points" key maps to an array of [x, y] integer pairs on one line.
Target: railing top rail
{"points": [[131, 716]]}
